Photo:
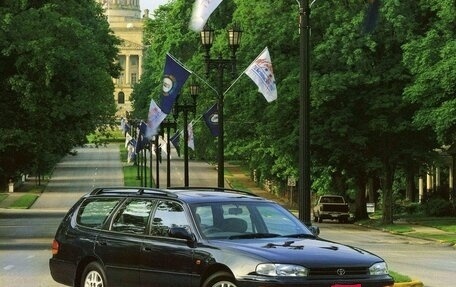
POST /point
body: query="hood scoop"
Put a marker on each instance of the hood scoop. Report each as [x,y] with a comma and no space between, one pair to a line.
[287,244]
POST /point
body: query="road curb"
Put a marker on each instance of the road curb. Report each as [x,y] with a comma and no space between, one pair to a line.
[414,283]
[11,212]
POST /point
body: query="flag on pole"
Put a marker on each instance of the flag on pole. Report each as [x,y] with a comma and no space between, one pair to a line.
[174,78]
[141,140]
[154,119]
[202,10]
[128,138]
[191,139]
[262,74]
[175,141]
[211,120]
[371,17]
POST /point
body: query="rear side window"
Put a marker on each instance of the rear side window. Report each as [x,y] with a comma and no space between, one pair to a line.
[133,217]
[94,212]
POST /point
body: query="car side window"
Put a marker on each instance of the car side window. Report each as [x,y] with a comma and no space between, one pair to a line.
[94,212]
[168,214]
[132,217]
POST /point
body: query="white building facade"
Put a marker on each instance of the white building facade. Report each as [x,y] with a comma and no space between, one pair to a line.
[125,19]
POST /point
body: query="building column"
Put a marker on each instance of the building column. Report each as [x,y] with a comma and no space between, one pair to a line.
[127,69]
[451,180]
[437,179]
[420,189]
[429,182]
[140,59]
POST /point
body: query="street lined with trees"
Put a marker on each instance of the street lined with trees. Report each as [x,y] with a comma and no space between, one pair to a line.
[382,101]
[57,60]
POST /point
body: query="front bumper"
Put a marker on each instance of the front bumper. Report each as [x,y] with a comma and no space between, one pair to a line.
[259,281]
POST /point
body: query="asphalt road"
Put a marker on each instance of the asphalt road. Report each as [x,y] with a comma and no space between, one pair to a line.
[25,236]
[77,175]
[430,262]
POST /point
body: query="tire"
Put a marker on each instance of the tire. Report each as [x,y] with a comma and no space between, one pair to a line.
[93,276]
[220,279]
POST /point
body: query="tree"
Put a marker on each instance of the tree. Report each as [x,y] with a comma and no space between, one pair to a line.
[431,58]
[56,60]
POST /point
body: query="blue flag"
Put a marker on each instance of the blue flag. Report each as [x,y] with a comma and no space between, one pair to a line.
[141,139]
[174,78]
[211,119]
[175,141]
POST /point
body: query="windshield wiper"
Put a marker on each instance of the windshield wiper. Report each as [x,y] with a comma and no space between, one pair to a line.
[254,235]
[300,235]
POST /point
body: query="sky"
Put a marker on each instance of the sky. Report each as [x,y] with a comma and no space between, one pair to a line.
[151,4]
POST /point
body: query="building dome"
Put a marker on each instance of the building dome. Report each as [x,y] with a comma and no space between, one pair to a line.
[121,8]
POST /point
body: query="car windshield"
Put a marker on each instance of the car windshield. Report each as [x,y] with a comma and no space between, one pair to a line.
[246,220]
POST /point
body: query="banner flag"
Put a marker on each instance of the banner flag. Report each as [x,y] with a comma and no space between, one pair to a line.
[211,120]
[128,138]
[262,74]
[202,10]
[174,77]
[141,141]
[154,119]
[175,141]
[191,138]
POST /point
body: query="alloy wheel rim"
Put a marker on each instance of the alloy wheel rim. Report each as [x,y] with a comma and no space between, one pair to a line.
[93,279]
[224,284]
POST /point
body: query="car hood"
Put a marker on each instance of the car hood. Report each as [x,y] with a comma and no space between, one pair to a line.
[307,252]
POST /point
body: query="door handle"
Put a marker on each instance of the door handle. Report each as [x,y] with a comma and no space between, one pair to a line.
[147,249]
[102,242]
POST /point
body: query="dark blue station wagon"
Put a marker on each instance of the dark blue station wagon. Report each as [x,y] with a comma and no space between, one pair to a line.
[200,237]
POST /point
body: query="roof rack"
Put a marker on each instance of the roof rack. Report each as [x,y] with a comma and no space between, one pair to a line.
[205,188]
[131,190]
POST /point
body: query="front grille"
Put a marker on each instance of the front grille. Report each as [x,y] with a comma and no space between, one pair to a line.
[339,271]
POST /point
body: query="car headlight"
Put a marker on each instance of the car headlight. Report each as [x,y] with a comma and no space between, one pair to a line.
[379,268]
[270,269]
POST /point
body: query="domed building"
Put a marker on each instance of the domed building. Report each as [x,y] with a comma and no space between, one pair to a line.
[124,17]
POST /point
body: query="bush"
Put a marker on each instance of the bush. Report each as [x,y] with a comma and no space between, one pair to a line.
[438,206]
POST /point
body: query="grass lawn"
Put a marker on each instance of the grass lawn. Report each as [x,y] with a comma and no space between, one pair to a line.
[399,278]
[130,172]
[25,201]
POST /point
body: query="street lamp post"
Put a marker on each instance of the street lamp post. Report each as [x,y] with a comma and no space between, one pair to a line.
[220,64]
[168,125]
[185,108]
[304,192]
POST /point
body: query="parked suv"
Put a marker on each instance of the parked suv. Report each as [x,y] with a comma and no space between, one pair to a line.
[199,237]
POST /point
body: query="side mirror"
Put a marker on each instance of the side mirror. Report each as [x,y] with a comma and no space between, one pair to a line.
[182,233]
[314,229]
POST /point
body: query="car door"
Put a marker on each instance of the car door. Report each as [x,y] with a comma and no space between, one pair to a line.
[167,261]
[119,247]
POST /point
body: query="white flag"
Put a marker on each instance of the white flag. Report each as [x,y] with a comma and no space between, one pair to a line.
[128,138]
[191,139]
[261,72]
[154,119]
[202,9]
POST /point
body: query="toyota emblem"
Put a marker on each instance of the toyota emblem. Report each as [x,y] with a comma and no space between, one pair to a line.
[340,272]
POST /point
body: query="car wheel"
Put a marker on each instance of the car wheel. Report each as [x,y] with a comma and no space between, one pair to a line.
[93,276]
[220,279]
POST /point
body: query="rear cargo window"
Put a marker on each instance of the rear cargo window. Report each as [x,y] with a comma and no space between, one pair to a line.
[93,213]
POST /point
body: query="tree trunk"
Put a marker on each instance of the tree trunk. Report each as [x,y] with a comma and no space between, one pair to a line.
[360,201]
[410,189]
[388,212]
